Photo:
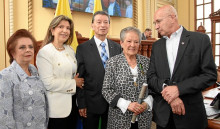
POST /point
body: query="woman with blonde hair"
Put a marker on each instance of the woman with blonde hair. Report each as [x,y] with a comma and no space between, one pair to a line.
[57,67]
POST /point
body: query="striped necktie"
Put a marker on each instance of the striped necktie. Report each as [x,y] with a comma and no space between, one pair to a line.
[104,55]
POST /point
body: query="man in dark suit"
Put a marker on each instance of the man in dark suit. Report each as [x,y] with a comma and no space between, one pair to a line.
[147,34]
[91,103]
[181,66]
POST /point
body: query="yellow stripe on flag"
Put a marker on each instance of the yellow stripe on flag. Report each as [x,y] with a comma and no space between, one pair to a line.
[97,7]
[63,8]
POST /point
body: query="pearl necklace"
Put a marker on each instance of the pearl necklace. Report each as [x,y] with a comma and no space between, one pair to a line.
[59,48]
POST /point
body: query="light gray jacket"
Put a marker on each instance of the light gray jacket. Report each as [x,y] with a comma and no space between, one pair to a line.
[23,103]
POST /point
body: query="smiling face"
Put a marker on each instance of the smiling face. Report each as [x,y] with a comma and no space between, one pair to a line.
[130,44]
[61,32]
[100,25]
[24,51]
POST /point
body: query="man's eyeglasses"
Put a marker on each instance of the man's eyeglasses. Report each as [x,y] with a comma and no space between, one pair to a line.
[158,21]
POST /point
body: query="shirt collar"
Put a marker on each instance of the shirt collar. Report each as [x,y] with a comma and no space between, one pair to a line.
[20,72]
[98,41]
[179,31]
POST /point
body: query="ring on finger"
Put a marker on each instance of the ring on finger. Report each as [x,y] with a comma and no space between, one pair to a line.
[83,84]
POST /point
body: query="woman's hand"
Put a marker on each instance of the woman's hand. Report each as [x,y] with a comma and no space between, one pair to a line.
[83,112]
[79,81]
[145,105]
[137,108]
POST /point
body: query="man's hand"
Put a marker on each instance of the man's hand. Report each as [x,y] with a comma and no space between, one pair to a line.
[170,93]
[177,106]
[83,112]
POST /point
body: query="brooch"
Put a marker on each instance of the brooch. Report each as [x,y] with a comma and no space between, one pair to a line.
[141,68]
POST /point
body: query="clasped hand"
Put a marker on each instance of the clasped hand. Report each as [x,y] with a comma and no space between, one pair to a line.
[177,106]
[137,108]
[171,95]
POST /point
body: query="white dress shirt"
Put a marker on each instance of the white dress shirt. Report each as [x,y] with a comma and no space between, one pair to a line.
[98,44]
[172,45]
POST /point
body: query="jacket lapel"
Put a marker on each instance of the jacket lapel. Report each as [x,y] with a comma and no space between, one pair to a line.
[111,48]
[141,75]
[95,51]
[184,40]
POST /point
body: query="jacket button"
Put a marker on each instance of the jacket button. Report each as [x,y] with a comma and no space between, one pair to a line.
[30,92]
[28,124]
[30,108]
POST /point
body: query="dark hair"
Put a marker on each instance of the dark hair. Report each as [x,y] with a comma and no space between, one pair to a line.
[12,42]
[148,29]
[54,23]
[100,13]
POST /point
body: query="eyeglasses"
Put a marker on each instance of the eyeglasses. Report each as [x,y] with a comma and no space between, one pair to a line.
[158,21]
